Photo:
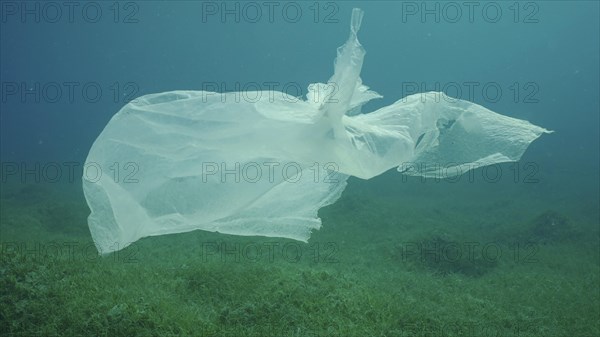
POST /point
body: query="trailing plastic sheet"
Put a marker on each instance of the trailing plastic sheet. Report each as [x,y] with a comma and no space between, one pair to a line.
[190,160]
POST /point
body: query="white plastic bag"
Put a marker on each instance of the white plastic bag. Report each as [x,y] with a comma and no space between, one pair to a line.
[184,160]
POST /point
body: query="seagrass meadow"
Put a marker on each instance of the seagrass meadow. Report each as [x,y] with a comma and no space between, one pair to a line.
[385,263]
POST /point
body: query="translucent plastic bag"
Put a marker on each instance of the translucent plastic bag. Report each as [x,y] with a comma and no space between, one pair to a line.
[190,160]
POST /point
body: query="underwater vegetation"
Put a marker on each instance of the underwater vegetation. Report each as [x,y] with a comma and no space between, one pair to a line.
[440,254]
[401,271]
[551,226]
